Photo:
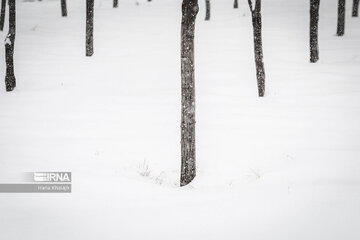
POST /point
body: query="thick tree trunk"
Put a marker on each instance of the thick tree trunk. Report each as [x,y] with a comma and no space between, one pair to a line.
[236,5]
[341,18]
[314,20]
[63,8]
[207,17]
[10,80]
[2,15]
[115,3]
[89,27]
[258,49]
[355,11]
[190,9]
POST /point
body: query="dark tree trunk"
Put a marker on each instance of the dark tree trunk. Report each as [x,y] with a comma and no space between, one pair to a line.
[115,3]
[89,27]
[63,8]
[236,5]
[190,9]
[2,16]
[355,11]
[341,18]
[258,49]
[314,20]
[207,17]
[10,80]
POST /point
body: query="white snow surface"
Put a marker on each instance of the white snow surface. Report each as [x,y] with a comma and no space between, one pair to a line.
[284,167]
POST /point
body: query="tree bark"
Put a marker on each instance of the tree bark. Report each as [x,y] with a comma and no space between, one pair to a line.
[190,9]
[2,15]
[236,5]
[355,11]
[207,17]
[63,8]
[10,80]
[314,21]
[341,18]
[89,27]
[115,3]
[258,48]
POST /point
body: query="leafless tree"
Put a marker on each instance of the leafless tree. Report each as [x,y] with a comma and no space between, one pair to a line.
[10,80]
[341,18]
[314,21]
[236,5]
[89,27]
[258,48]
[2,15]
[63,8]
[190,9]
[355,10]
[207,16]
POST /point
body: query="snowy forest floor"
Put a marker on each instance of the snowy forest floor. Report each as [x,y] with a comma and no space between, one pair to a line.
[284,167]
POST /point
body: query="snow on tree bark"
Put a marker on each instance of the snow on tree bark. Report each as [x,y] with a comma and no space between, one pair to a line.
[115,3]
[63,8]
[10,80]
[314,21]
[190,9]
[258,49]
[355,10]
[236,5]
[89,27]
[341,18]
[207,16]
[2,15]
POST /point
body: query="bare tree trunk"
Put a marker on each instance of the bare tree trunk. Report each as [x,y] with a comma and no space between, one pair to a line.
[341,18]
[236,5]
[10,80]
[115,3]
[207,17]
[258,49]
[190,9]
[314,20]
[2,16]
[355,11]
[63,8]
[89,27]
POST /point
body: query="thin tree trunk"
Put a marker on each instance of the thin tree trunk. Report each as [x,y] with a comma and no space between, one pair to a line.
[10,80]
[115,3]
[258,49]
[63,8]
[2,16]
[341,18]
[190,9]
[207,17]
[314,20]
[89,27]
[355,11]
[236,5]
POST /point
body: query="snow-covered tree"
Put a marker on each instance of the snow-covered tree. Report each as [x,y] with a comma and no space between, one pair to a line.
[63,8]
[2,14]
[314,21]
[190,9]
[89,27]
[355,10]
[341,18]
[207,16]
[258,48]
[10,80]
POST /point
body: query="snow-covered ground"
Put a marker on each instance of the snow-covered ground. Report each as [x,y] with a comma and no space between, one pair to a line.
[285,167]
